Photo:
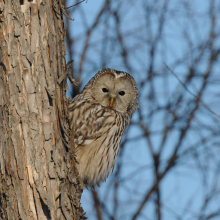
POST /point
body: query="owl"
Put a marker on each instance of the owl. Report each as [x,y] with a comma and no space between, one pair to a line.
[98,117]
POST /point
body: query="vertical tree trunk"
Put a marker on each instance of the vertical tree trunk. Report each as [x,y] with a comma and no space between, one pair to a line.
[36,177]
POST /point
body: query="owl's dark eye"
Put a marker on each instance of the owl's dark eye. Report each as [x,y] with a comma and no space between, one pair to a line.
[104,90]
[121,93]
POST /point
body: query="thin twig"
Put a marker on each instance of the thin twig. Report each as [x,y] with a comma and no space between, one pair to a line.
[97,205]
[206,106]
[74,5]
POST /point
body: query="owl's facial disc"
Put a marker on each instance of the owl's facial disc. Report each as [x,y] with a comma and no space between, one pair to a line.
[116,93]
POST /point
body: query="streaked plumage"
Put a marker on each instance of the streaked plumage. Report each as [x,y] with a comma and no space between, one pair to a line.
[99,116]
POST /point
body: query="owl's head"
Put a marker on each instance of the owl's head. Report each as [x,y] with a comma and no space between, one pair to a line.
[115,89]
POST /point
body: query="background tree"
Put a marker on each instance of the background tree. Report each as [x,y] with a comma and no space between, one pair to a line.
[37,179]
[168,166]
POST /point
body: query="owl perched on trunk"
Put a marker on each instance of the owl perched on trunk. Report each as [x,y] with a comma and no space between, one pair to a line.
[98,118]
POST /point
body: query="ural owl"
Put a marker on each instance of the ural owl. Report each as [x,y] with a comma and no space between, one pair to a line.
[99,116]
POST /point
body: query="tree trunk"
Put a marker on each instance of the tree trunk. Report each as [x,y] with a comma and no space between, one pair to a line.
[37,178]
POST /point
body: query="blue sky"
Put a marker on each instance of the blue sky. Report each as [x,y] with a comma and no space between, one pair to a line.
[184,188]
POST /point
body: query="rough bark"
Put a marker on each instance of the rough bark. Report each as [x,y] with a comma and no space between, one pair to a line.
[37,178]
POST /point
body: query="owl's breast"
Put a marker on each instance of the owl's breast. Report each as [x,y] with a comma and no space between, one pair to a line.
[97,133]
[97,158]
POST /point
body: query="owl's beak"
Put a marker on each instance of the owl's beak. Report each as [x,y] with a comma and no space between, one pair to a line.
[111,102]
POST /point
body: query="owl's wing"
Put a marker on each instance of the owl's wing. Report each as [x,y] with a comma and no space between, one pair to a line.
[90,121]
